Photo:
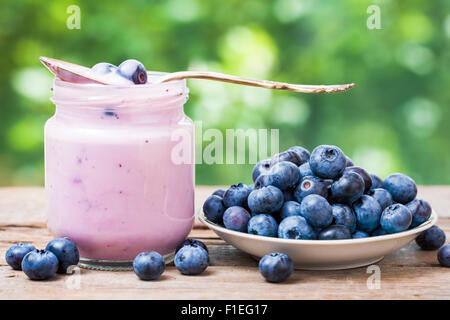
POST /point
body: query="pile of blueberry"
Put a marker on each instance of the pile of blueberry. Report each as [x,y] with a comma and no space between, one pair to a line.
[130,71]
[58,256]
[317,196]
[191,258]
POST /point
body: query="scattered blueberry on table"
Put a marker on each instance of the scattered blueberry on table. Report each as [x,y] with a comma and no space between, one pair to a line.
[444,256]
[40,264]
[15,254]
[66,251]
[276,267]
[431,239]
[149,265]
[191,260]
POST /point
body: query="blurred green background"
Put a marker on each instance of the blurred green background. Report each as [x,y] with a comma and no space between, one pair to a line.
[395,119]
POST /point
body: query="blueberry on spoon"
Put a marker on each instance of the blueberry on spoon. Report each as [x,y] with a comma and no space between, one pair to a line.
[133,70]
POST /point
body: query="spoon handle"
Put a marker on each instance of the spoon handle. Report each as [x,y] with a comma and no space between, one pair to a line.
[255,83]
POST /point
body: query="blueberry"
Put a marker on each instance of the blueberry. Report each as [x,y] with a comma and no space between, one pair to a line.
[402,188]
[327,162]
[296,227]
[289,155]
[396,218]
[261,167]
[103,68]
[290,208]
[15,254]
[444,256]
[213,208]
[364,174]
[376,181]
[358,234]
[349,162]
[335,232]
[420,210]
[192,242]
[133,70]
[310,185]
[302,152]
[383,197]
[236,195]
[109,112]
[431,239]
[149,265]
[39,264]
[219,192]
[236,218]
[368,212]
[317,211]
[66,251]
[264,180]
[288,195]
[378,232]
[344,215]
[348,189]
[276,267]
[263,225]
[265,200]
[305,170]
[191,260]
[285,175]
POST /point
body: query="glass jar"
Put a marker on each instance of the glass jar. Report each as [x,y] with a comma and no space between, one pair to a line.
[119,170]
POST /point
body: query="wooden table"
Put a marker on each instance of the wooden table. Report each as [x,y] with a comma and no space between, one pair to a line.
[408,273]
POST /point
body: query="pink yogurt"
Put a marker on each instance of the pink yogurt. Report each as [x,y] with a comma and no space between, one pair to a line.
[115,182]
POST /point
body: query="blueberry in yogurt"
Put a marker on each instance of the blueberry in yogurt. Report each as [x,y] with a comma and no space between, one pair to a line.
[327,162]
[15,254]
[133,70]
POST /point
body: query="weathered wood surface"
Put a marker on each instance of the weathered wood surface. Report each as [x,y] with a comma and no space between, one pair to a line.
[408,273]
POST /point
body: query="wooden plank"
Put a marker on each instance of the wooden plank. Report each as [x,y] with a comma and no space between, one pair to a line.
[408,273]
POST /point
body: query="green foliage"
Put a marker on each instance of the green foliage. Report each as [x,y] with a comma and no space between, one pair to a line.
[395,119]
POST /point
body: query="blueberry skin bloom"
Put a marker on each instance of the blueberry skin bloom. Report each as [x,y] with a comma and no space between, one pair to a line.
[290,208]
[317,211]
[192,242]
[420,210]
[236,195]
[263,225]
[310,185]
[289,155]
[261,167]
[327,162]
[15,254]
[296,227]
[305,170]
[402,188]
[343,215]
[191,260]
[39,264]
[376,181]
[213,208]
[236,218]
[444,256]
[285,175]
[396,218]
[348,189]
[383,197]
[335,232]
[302,152]
[431,239]
[66,251]
[219,192]
[276,267]
[133,70]
[368,212]
[149,265]
[358,234]
[265,200]
[364,174]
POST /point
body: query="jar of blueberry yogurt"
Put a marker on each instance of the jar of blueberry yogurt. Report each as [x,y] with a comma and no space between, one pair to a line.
[119,170]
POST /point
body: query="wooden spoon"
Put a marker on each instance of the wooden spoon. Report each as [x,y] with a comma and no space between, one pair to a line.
[78,74]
